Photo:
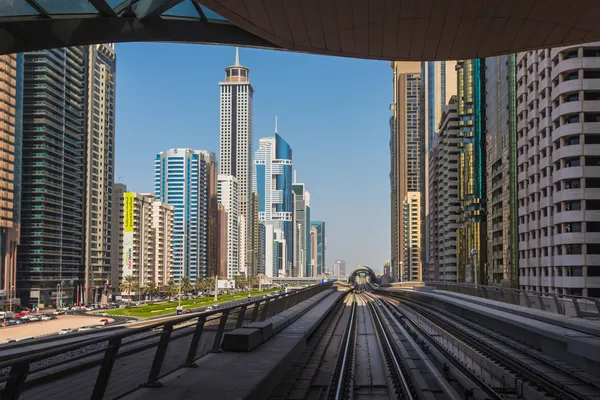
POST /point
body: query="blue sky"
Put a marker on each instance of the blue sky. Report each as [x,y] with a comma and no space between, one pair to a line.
[332,111]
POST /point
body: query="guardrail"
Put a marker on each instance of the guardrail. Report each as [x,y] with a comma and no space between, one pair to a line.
[568,305]
[137,356]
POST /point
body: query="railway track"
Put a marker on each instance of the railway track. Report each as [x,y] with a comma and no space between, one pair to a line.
[500,367]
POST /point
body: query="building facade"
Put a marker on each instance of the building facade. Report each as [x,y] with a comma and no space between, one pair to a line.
[273,183]
[11,137]
[116,236]
[321,249]
[471,242]
[438,85]
[50,258]
[236,103]
[302,266]
[558,150]
[405,150]
[181,178]
[228,197]
[222,254]
[99,168]
[501,171]
[146,226]
[410,264]
[253,253]
[339,268]
[443,197]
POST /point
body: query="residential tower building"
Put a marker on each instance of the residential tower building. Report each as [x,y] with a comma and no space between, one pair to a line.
[470,241]
[236,102]
[320,260]
[99,144]
[50,257]
[228,197]
[405,150]
[273,183]
[302,266]
[11,138]
[443,197]
[181,178]
[501,171]
[558,150]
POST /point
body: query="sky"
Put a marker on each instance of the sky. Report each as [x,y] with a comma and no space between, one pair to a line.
[334,113]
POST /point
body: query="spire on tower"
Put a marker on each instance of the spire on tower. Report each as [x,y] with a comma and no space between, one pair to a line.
[276,124]
[237,56]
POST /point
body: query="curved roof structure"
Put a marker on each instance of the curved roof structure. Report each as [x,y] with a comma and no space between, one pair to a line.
[359,269]
[401,30]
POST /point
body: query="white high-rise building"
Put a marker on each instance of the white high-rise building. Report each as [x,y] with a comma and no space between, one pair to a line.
[236,141]
[227,189]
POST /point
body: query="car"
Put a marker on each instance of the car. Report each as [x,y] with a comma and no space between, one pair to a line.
[59,312]
[188,311]
[47,317]
[103,322]
[85,329]
[65,331]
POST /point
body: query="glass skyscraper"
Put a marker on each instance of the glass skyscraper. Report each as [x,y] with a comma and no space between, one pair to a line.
[180,179]
[319,226]
[273,183]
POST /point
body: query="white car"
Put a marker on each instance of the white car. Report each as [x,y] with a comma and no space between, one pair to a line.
[85,329]
[65,331]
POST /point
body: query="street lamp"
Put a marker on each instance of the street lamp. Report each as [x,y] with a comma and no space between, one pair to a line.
[401,271]
[474,254]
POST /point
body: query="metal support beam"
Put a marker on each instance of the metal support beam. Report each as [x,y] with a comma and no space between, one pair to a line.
[103,8]
[153,8]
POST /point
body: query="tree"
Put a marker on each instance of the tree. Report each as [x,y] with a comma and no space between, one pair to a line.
[151,289]
[170,288]
[240,281]
[129,285]
[186,285]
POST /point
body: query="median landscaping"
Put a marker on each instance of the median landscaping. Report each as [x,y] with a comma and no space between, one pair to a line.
[162,308]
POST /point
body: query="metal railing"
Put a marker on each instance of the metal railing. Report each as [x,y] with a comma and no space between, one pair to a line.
[123,360]
[568,305]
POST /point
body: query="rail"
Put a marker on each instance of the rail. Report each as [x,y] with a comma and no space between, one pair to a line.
[563,304]
[167,345]
[344,366]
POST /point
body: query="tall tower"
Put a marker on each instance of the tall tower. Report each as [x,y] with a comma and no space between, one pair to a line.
[405,174]
[273,183]
[236,141]
[99,168]
[438,85]
[52,221]
[11,104]
[181,178]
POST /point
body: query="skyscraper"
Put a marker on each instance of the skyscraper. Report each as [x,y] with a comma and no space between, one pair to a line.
[501,171]
[181,179]
[471,243]
[11,136]
[302,260]
[273,183]
[558,150]
[228,198]
[438,80]
[236,141]
[405,174]
[443,197]
[319,267]
[254,238]
[99,167]
[54,126]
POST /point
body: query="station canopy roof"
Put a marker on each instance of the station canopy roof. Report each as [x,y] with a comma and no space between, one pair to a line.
[402,30]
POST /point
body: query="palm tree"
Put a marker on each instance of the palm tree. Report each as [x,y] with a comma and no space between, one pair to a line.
[129,285]
[170,288]
[151,289]
[186,285]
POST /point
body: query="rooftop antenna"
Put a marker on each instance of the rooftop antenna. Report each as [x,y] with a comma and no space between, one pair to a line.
[237,56]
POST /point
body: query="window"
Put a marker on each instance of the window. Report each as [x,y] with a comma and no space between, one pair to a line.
[592,226]
[593,248]
[594,74]
[591,117]
[592,204]
[593,270]
[591,52]
[572,140]
[591,95]
[573,227]
[571,97]
[592,183]
[572,184]
[572,162]
[592,139]
[571,54]
[572,119]
[592,161]
[573,249]
[573,205]
[571,76]
[573,271]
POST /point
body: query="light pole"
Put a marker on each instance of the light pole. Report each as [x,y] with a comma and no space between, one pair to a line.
[474,254]
[401,271]
[180,285]
[216,286]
